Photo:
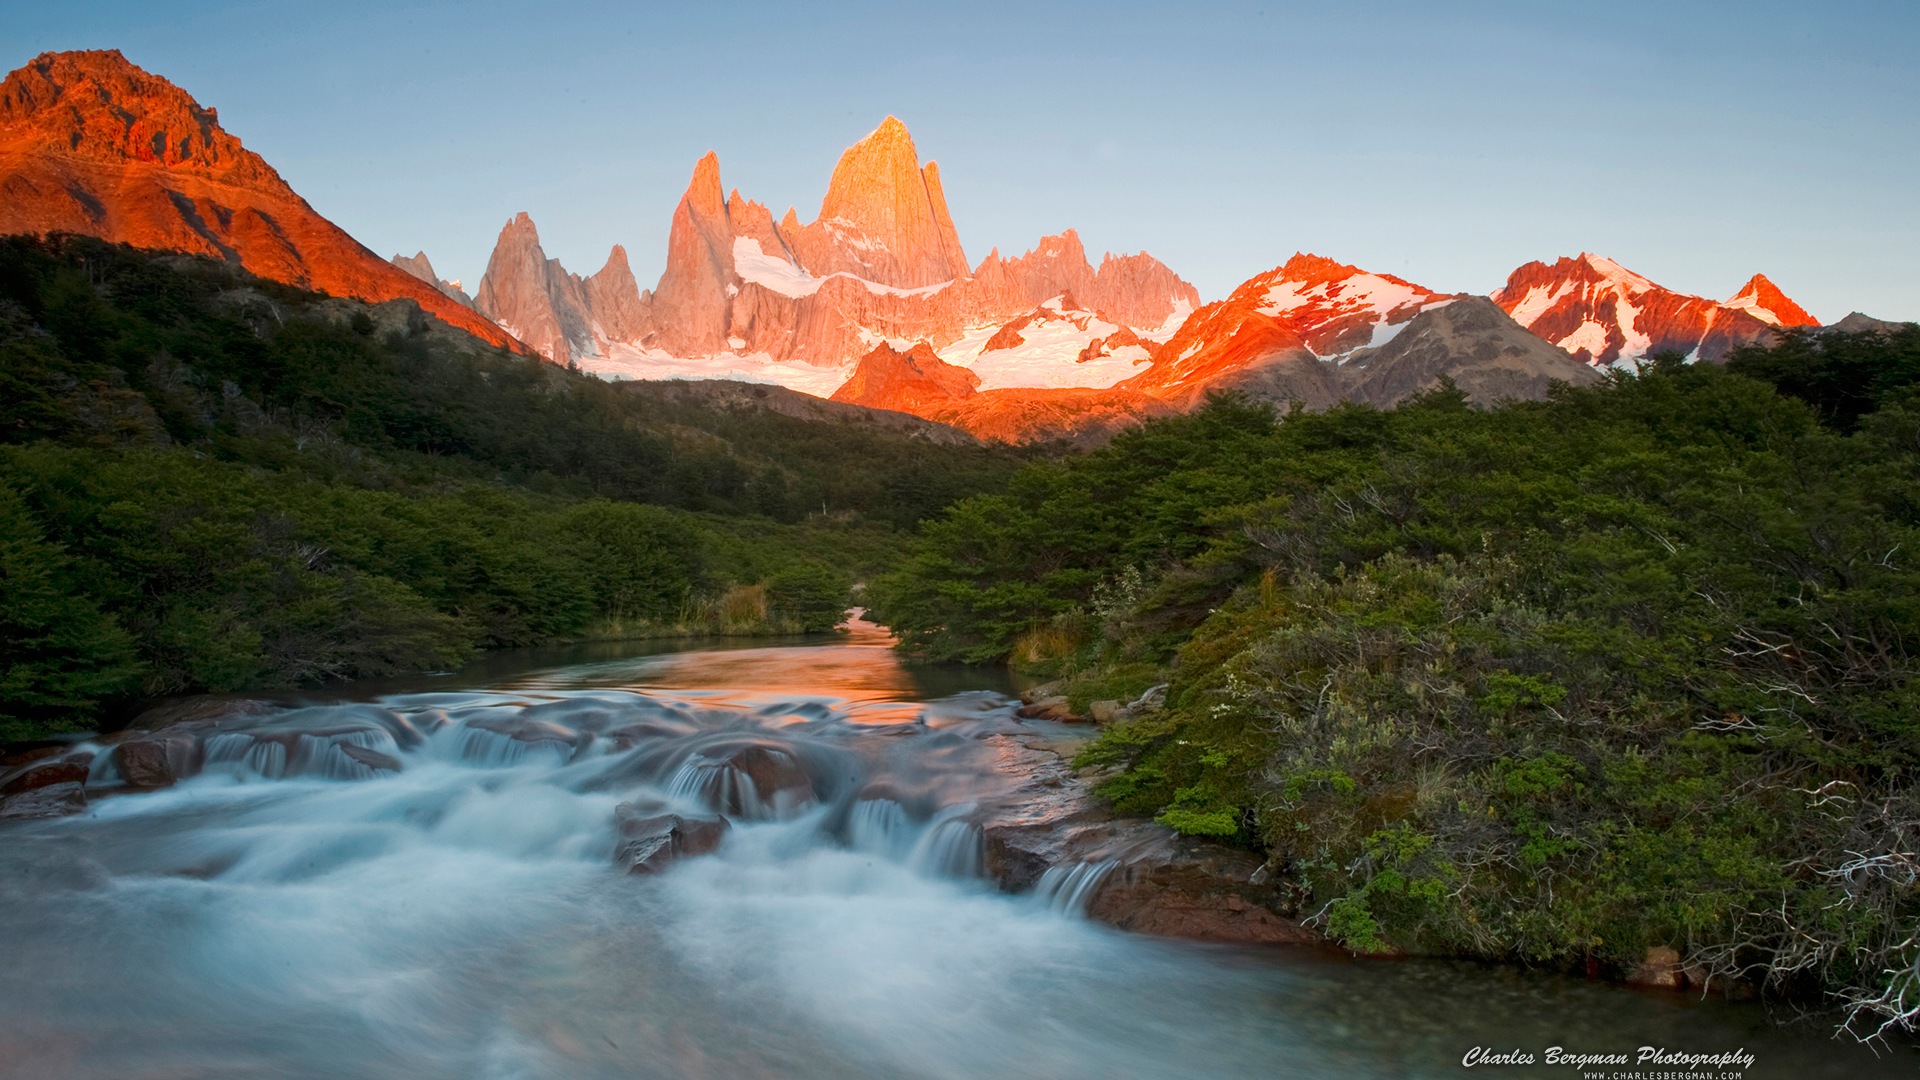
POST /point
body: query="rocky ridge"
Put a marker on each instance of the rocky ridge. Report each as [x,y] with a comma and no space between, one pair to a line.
[91,144]
[881,261]
[1317,332]
[421,267]
[1601,313]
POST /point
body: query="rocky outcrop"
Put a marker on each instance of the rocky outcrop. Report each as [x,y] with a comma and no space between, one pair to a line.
[1140,291]
[1136,291]
[44,783]
[617,310]
[1133,874]
[650,842]
[50,801]
[690,303]
[1601,313]
[71,769]
[158,760]
[884,217]
[913,381]
[534,297]
[1857,323]
[419,266]
[91,144]
[919,382]
[765,781]
[1267,337]
[1471,342]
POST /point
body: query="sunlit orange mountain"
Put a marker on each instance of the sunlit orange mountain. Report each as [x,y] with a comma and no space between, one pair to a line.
[1319,332]
[881,261]
[91,144]
[1603,313]
[917,381]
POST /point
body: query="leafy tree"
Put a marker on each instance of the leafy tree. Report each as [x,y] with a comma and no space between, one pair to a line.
[60,656]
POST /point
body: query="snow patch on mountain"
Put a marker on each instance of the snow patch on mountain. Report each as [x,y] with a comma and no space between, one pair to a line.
[1617,274]
[1750,303]
[1536,301]
[772,272]
[1346,296]
[1054,347]
[1175,319]
[632,362]
[1590,336]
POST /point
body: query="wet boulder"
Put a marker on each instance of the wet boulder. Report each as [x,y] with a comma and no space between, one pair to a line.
[39,774]
[372,759]
[1056,707]
[649,843]
[158,761]
[1157,883]
[1188,888]
[759,781]
[628,736]
[522,736]
[768,779]
[743,778]
[50,801]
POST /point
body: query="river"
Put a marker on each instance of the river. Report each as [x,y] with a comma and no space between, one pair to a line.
[297,913]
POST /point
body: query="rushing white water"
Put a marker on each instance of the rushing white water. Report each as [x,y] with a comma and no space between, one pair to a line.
[1068,889]
[294,911]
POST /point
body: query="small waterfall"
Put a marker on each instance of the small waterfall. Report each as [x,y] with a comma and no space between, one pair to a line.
[950,847]
[327,757]
[1068,890]
[705,781]
[722,786]
[279,755]
[493,750]
[261,757]
[102,771]
[881,827]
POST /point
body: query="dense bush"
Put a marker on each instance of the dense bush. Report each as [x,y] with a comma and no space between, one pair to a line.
[1554,682]
[230,578]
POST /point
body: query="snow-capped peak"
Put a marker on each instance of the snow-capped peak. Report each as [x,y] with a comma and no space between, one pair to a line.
[1617,274]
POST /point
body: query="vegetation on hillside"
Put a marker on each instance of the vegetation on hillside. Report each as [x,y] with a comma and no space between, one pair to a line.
[1554,682]
[212,482]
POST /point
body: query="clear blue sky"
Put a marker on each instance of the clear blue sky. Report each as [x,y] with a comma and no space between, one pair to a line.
[1694,142]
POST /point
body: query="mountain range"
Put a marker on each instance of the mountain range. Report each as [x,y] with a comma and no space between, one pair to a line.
[873,302]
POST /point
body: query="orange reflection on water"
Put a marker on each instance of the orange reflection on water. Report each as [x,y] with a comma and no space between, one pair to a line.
[857,670]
